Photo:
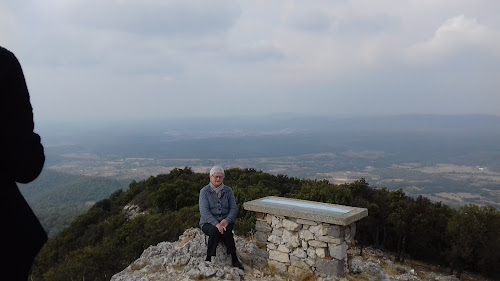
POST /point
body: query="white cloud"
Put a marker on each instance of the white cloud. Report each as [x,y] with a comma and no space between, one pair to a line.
[453,36]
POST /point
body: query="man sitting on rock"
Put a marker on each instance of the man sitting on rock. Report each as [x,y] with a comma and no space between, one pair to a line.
[218,213]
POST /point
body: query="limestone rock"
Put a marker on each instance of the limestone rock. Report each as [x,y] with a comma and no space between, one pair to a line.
[185,258]
[317,244]
[331,267]
[131,211]
[299,253]
[321,252]
[338,251]
[279,256]
[336,231]
[319,230]
[276,222]
[291,225]
[330,239]
[299,262]
[277,232]
[306,235]
[274,239]
[262,226]
[284,249]
[261,236]
[291,237]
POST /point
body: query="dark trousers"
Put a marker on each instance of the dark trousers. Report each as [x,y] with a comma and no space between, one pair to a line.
[214,237]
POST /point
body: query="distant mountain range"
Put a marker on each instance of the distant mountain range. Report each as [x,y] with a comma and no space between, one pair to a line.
[57,132]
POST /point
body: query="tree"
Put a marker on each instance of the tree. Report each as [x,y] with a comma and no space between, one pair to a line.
[399,220]
[470,234]
[427,229]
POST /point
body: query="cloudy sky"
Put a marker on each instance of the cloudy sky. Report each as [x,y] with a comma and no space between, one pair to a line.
[123,59]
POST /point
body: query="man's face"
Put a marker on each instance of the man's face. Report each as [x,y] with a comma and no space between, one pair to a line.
[216,179]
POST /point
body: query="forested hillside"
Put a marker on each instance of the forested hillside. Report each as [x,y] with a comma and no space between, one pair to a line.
[58,198]
[104,240]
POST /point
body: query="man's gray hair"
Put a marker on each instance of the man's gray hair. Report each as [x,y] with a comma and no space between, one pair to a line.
[215,170]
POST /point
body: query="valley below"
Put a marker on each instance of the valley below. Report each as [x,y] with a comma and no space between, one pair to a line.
[451,184]
[452,159]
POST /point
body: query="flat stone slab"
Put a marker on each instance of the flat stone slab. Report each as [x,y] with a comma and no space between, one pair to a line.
[308,210]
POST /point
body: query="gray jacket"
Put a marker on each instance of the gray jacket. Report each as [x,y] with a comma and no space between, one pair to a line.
[213,209]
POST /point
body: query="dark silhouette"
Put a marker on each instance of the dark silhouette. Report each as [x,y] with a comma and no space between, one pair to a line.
[22,158]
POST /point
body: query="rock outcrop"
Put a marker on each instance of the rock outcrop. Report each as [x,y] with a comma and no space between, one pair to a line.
[185,260]
[132,211]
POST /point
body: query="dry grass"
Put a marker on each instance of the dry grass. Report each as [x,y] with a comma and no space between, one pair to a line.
[422,267]
[272,270]
[391,271]
[137,266]
[307,276]
[357,278]
[201,277]
[251,236]
[178,267]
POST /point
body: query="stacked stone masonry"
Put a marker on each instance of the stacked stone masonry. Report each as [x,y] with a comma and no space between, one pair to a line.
[297,246]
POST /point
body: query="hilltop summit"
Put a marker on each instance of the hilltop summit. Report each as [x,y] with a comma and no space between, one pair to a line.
[184,260]
[128,231]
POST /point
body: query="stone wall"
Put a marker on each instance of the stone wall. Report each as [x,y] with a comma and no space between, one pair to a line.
[297,246]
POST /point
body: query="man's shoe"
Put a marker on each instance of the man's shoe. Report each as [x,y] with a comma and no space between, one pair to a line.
[238,264]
